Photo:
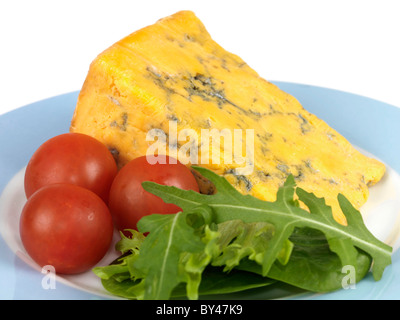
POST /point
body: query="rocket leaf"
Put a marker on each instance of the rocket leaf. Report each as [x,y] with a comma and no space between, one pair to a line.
[285,215]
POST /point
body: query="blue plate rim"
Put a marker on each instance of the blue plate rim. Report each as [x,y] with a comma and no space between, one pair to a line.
[65,106]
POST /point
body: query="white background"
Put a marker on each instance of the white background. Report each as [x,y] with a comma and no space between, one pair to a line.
[352,45]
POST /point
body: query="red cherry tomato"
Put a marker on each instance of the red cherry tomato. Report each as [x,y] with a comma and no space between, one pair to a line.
[128,200]
[67,227]
[71,158]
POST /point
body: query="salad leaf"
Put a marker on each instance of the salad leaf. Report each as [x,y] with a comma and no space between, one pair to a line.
[216,282]
[239,240]
[123,277]
[312,265]
[285,215]
[227,242]
[159,260]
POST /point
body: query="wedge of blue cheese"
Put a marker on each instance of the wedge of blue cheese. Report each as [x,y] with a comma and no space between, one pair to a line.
[173,73]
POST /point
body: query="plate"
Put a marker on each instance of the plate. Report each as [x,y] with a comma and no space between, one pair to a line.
[368,124]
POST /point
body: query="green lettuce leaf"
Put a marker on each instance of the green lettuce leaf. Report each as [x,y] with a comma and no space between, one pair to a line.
[159,261]
[312,265]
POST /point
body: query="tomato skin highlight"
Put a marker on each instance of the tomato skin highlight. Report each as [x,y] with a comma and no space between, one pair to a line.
[67,227]
[73,158]
[129,202]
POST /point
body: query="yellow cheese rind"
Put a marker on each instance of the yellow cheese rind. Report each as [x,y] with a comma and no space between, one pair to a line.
[174,71]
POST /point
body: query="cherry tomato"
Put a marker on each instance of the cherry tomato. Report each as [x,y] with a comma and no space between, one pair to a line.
[67,227]
[128,200]
[73,158]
